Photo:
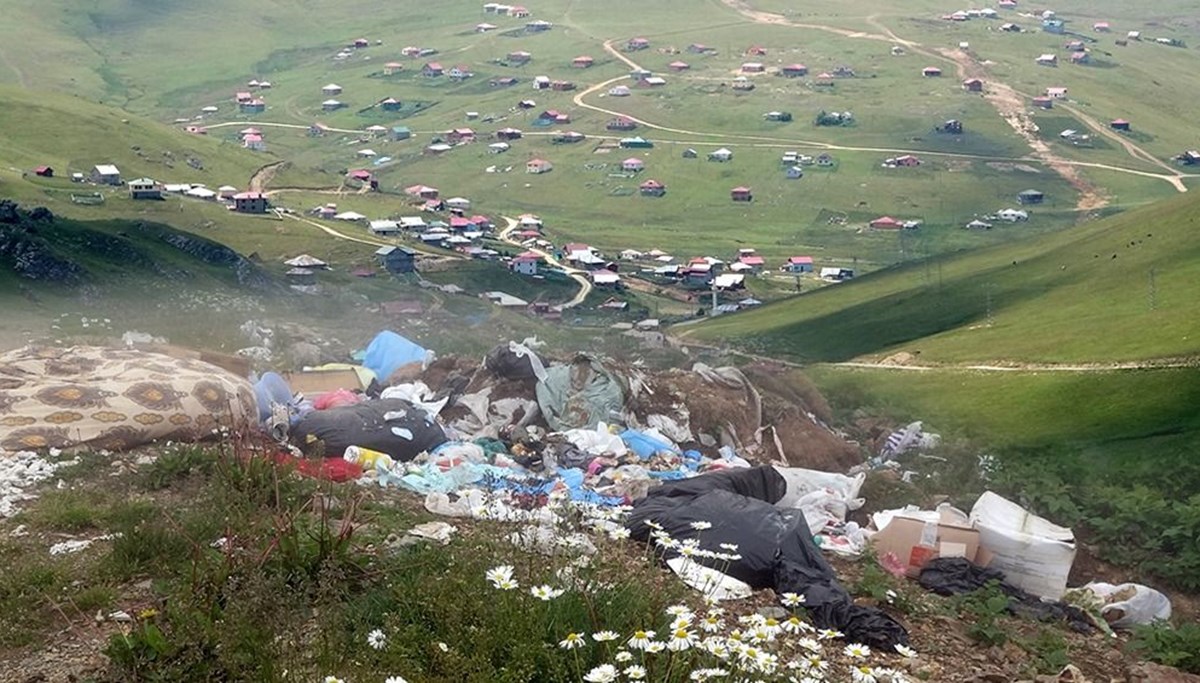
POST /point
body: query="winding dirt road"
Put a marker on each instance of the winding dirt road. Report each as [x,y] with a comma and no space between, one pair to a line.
[585,285]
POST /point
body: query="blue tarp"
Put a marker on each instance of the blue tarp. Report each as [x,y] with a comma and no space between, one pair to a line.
[388,352]
[645,445]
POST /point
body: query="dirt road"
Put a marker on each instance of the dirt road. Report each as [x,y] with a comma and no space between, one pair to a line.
[585,285]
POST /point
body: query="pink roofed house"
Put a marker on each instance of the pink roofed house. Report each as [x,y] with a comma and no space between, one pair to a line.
[678,65]
[793,70]
[652,188]
[582,62]
[422,191]
[637,44]
[886,223]
[799,264]
[931,72]
[741,194]
[633,164]
[432,70]
[359,174]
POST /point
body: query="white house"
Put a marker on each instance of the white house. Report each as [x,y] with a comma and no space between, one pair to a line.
[106,174]
[331,90]
[721,155]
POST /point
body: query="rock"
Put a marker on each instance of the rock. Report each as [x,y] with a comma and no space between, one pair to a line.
[305,354]
[774,612]
[1146,672]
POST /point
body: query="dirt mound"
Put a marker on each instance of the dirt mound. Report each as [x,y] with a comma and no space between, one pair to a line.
[796,417]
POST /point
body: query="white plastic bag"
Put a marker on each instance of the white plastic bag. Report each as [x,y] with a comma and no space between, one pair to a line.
[712,583]
[598,441]
[801,482]
[1130,604]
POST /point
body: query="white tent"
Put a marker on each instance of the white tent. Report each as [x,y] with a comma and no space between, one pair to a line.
[350,216]
[201,193]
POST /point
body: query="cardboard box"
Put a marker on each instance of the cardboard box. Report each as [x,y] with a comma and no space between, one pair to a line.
[314,382]
[916,541]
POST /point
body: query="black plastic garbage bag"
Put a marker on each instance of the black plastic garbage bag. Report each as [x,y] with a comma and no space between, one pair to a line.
[512,363]
[957,576]
[393,426]
[776,548]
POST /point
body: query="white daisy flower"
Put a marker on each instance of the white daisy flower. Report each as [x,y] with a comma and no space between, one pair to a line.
[791,599]
[640,640]
[623,656]
[376,639]
[906,651]
[572,641]
[605,673]
[395,679]
[863,674]
[857,651]
[656,647]
[681,639]
[635,672]
[545,593]
[701,526]
[605,636]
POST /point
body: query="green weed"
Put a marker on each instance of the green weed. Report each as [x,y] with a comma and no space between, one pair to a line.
[985,608]
[1173,646]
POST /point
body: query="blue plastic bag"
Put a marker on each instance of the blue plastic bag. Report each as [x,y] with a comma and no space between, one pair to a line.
[388,352]
[645,446]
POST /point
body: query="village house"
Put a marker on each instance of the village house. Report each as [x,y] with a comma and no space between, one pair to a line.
[633,165]
[1042,102]
[538,166]
[508,134]
[905,161]
[700,49]
[250,202]
[931,71]
[652,82]
[1047,60]
[1030,197]
[620,91]
[621,123]
[583,255]
[1012,215]
[753,68]
[1055,26]
[793,71]
[825,159]
[44,172]
[780,116]
[1119,124]
[460,72]
[331,105]
[1081,58]
[105,174]
[432,70]
[562,86]
[538,26]
[421,192]
[582,62]
[1188,158]
[678,66]
[741,194]
[1056,93]
[503,82]
[484,27]
[721,155]
[569,137]
[952,126]
[635,142]
[750,260]
[886,223]
[526,263]
[799,264]
[824,80]
[519,57]
[331,90]
[397,260]
[1101,27]
[459,136]
[518,12]
[973,85]
[254,106]
[836,274]
[384,228]
[742,83]
[254,142]
[362,175]
[605,279]
[636,44]
[392,68]
[652,188]
[145,188]
[793,172]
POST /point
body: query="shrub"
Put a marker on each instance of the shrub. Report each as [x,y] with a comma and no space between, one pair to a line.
[1164,644]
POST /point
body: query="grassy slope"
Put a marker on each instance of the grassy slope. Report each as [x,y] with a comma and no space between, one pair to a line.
[155,66]
[1081,295]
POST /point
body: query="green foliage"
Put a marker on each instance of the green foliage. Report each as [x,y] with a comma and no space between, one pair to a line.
[884,589]
[985,608]
[1172,646]
[1048,651]
[176,464]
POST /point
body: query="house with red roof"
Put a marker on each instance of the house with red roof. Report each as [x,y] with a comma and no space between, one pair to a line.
[392,68]
[254,142]
[906,160]
[793,70]
[636,44]
[886,223]
[507,134]
[1042,102]
[360,174]
[741,193]
[973,85]
[582,62]
[44,171]
[254,106]
[421,191]
[748,258]
[1119,124]
[243,96]
[753,68]
[931,72]
[621,123]
[799,264]
[526,263]
[633,165]
[460,135]
[432,70]
[678,65]
[652,188]
[250,202]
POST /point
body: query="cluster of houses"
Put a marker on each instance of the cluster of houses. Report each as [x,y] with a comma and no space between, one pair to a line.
[141,189]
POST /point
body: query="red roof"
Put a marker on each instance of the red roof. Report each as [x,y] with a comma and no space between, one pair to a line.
[652,185]
[799,260]
[250,195]
[360,174]
[740,189]
[583,58]
[528,256]
[575,246]
[480,220]
[752,260]
[795,67]
[885,222]
[678,65]
[527,233]
[433,66]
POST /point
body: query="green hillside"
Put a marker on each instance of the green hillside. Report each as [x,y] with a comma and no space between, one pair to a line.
[1119,289]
